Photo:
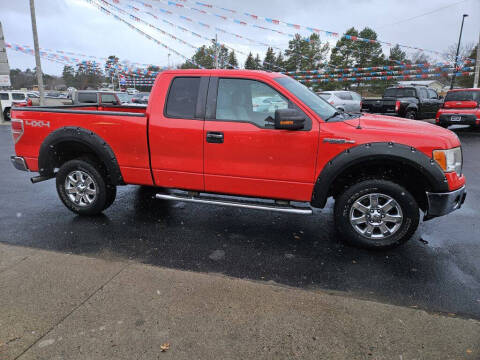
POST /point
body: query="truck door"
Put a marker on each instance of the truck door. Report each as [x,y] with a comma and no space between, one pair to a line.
[244,154]
[435,102]
[176,116]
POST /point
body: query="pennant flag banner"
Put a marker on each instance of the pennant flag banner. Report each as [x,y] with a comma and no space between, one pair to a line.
[399,77]
[383,73]
[288,24]
[158,42]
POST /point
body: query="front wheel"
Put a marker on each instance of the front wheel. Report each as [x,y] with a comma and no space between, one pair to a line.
[82,187]
[376,214]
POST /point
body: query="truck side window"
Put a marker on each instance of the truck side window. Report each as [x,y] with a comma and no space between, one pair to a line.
[3,96]
[108,99]
[432,94]
[423,93]
[345,96]
[87,97]
[182,98]
[248,101]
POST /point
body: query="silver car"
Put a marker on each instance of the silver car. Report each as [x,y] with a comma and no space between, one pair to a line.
[348,101]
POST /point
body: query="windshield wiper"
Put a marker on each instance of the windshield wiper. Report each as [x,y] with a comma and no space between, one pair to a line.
[335,114]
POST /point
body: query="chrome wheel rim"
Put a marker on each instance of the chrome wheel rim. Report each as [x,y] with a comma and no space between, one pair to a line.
[80,188]
[376,216]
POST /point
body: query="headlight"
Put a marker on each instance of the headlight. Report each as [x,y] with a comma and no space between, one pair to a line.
[449,160]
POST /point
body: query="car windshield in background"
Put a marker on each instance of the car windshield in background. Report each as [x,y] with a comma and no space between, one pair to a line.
[463,96]
[308,97]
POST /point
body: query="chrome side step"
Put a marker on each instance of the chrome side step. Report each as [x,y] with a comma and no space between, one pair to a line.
[246,205]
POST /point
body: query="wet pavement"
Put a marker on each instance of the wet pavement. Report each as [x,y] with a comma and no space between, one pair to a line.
[438,270]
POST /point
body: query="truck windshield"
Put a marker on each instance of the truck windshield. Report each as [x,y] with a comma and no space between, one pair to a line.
[308,97]
[463,96]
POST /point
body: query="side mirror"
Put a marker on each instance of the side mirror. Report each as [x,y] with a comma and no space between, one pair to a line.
[289,119]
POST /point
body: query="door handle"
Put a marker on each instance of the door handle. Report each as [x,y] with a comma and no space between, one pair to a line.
[215,137]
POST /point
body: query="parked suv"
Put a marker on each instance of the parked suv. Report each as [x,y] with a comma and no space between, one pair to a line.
[461,106]
[9,97]
[348,101]
[411,102]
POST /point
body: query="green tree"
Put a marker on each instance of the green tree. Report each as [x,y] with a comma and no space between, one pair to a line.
[250,62]
[343,54]
[269,60]
[368,53]
[68,76]
[280,61]
[258,62]
[232,60]
[222,57]
[396,53]
[110,65]
[297,47]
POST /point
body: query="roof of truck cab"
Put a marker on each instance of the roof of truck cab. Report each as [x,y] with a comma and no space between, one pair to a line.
[469,89]
[223,72]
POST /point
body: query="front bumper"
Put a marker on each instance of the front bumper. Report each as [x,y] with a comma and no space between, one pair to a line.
[444,203]
[19,163]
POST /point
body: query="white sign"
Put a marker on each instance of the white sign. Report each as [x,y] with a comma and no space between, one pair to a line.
[5,80]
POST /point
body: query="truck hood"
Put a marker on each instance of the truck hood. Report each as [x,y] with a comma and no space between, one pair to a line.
[417,131]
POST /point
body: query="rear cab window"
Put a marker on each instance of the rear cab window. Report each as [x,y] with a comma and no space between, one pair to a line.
[87,98]
[4,96]
[463,96]
[182,98]
[18,96]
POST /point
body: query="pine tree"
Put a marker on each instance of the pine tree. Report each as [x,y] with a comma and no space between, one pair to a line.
[258,62]
[296,49]
[279,61]
[232,60]
[397,54]
[222,57]
[269,61]
[368,53]
[250,62]
[343,53]
[68,76]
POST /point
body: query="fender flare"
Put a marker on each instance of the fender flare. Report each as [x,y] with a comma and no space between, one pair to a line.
[48,153]
[396,153]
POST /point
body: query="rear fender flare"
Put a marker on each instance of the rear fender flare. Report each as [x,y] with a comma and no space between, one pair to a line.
[362,154]
[48,154]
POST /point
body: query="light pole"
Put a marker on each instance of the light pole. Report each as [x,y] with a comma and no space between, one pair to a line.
[458,50]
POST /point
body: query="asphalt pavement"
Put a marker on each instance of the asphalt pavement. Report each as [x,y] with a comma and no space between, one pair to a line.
[438,270]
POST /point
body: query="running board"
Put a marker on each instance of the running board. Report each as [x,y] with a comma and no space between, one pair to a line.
[245,205]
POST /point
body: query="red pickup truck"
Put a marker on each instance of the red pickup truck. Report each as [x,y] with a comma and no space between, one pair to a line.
[249,139]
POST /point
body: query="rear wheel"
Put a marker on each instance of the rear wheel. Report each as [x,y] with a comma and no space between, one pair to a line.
[82,187]
[376,214]
[6,114]
[411,114]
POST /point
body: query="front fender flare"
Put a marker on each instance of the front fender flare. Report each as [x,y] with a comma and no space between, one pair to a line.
[379,151]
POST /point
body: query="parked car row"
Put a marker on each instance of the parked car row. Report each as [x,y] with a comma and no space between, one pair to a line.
[460,106]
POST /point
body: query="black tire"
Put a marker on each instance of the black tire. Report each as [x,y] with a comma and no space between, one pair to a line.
[102,195]
[111,195]
[411,114]
[403,198]
[6,114]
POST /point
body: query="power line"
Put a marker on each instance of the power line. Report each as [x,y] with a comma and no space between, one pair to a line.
[424,14]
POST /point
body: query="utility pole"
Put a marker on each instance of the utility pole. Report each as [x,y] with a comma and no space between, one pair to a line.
[477,65]
[37,54]
[169,61]
[458,50]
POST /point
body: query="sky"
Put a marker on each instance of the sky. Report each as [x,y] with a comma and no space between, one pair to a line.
[77,26]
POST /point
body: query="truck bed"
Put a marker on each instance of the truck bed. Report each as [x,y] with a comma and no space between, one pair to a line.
[123,127]
[379,105]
